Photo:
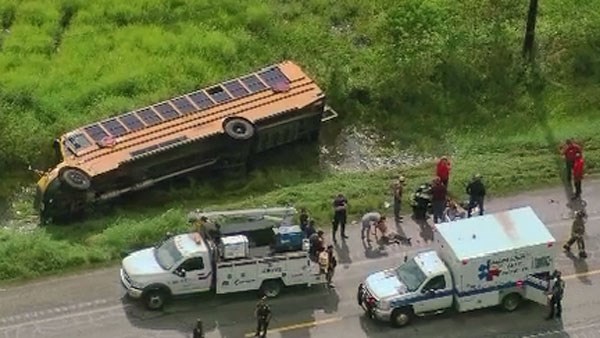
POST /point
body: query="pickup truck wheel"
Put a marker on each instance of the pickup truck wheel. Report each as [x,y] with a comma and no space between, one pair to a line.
[401,317]
[155,299]
[511,302]
[270,288]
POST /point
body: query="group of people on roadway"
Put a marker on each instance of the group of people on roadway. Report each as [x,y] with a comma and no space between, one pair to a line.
[443,209]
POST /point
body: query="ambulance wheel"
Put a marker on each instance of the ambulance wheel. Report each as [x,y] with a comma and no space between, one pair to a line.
[511,302]
[401,317]
[270,288]
[155,299]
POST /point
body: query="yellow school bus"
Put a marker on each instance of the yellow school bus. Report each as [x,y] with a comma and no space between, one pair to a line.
[220,126]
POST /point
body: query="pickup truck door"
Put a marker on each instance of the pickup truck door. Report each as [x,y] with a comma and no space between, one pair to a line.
[435,294]
[194,275]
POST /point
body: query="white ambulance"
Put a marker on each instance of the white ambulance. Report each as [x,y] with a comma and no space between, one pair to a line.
[194,262]
[496,259]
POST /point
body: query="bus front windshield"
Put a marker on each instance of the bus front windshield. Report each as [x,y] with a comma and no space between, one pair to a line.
[167,254]
[411,275]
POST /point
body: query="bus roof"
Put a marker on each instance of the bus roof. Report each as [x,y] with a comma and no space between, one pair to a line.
[265,93]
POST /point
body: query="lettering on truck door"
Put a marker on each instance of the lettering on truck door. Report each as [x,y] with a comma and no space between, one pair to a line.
[194,276]
[435,294]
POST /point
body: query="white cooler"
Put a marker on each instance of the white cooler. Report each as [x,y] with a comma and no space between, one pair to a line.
[234,247]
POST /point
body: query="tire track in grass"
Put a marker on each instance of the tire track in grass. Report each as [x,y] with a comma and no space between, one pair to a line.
[68,10]
[7,18]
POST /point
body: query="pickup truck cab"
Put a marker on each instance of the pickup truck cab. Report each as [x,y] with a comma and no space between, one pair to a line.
[196,262]
[498,259]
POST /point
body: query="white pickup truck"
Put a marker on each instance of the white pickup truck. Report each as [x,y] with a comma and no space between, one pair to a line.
[194,262]
[496,259]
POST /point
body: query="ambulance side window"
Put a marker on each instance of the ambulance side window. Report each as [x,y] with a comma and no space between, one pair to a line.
[436,283]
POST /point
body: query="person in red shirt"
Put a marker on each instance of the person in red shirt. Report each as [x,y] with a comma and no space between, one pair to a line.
[443,170]
[578,174]
[570,149]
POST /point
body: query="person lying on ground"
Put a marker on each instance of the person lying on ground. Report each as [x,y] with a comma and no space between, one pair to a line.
[389,236]
[454,212]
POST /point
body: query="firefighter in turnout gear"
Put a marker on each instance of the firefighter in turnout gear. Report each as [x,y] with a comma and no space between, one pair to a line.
[577,232]
[263,317]
[556,290]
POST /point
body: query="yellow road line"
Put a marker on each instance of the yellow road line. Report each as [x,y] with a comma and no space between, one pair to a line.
[303,325]
[582,274]
[314,323]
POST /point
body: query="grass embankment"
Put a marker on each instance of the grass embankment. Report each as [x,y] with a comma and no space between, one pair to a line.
[437,76]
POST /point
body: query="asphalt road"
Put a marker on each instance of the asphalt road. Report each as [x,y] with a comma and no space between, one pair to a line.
[91,304]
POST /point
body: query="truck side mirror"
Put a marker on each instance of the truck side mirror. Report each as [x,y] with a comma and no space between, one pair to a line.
[180,272]
[427,291]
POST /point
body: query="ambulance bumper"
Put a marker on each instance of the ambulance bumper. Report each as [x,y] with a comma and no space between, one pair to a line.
[370,307]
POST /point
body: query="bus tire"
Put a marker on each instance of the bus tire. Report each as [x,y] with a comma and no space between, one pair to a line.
[75,178]
[239,128]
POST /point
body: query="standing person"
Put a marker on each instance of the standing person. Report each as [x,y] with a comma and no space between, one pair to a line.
[578,166]
[317,243]
[303,219]
[331,264]
[340,213]
[397,191]
[310,229]
[198,331]
[577,233]
[443,170]
[476,192]
[367,221]
[263,317]
[556,291]
[569,150]
[439,194]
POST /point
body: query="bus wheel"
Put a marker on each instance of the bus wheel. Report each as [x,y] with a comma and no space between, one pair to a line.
[238,128]
[75,178]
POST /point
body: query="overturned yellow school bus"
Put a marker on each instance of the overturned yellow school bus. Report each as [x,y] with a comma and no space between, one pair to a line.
[221,126]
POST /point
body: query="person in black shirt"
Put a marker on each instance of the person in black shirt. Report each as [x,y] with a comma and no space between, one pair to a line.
[198,331]
[556,291]
[263,317]
[303,219]
[340,210]
[476,192]
[310,229]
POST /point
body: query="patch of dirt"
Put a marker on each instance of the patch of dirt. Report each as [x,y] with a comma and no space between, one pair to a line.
[364,150]
[17,214]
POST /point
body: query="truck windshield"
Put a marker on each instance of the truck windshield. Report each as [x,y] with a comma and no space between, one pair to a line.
[411,275]
[167,254]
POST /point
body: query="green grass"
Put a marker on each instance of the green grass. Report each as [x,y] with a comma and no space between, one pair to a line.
[436,77]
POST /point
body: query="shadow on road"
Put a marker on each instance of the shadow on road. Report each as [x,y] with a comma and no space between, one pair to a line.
[343,253]
[232,315]
[446,324]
